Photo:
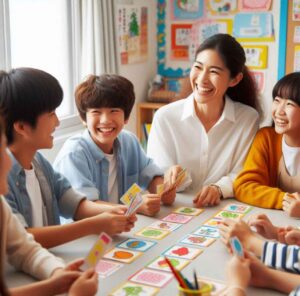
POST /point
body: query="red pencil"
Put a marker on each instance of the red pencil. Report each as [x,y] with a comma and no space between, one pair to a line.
[176,274]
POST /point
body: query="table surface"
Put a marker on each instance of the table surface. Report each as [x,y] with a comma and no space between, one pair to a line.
[211,263]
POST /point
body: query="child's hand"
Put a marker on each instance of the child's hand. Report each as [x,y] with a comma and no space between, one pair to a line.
[85,285]
[238,272]
[207,196]
[110,223]
[291,204]
[292,236]
[116,209]
[168,196]
[264,226]
[150,205]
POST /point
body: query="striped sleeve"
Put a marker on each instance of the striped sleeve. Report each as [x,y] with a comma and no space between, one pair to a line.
[281,256]
[295,292]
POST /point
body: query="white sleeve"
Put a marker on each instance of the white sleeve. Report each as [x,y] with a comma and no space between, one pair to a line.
[23,251]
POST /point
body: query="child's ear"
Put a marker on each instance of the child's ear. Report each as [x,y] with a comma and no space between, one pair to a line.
[126,121]
[20,127]
[236,80]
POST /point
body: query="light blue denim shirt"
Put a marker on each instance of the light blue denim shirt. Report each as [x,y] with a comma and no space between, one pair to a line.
[58,197]
[85,165]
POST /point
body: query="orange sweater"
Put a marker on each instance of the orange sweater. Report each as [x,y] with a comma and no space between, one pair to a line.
[257,182]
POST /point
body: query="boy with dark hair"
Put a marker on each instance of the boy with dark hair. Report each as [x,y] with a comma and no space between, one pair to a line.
[37,193]
[106,160]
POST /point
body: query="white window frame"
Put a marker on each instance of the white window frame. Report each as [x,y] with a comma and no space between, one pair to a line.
[71,123]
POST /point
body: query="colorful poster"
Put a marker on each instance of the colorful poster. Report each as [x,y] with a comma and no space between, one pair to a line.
[132,33]
[254,5]
[256,56]
[296,10]
[297,59]
[186,9]
[254,26]
[204,29]
[297,34]
[180,41]
[217,7]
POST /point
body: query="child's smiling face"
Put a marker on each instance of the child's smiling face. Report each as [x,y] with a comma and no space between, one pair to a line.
[104,125]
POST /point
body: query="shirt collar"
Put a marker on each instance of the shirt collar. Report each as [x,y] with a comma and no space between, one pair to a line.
[189,109]
[16,167]
[95,150]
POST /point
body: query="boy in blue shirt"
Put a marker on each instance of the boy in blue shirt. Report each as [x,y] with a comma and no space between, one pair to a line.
[37,193]
[106,160]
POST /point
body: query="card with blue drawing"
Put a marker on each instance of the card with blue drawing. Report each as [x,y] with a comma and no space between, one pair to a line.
[130,288]
[188,211]
[185,252]
[160,263]
[197,240]
[236,247]
[170,226]
[243,209]
[207,231]
[230,215]
[130,194]
[97,251]
[137,244]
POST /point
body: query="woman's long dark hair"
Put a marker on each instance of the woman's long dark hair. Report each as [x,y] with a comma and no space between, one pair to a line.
[233,56]
[3,290]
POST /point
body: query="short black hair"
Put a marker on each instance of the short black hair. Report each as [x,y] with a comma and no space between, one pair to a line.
[26,93]
[105,91]
[288,87]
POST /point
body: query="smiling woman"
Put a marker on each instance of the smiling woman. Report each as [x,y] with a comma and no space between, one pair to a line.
[209,132]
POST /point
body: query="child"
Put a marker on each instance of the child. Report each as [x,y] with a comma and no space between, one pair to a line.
[106,160]
[37,194]
[209,133]
[26,254]
[272,167]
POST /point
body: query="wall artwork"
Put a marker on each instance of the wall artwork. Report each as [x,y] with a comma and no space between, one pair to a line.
[186,9]
[132,33]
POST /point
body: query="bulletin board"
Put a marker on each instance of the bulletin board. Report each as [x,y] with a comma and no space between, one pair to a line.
[292,54]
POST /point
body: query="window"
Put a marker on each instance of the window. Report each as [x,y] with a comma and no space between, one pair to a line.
[40,34]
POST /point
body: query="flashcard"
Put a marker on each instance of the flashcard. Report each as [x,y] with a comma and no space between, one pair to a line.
[237,208]
[230,215]
[218,287]
[130,194]
[130,288]
[134,204]
[165,225]
[183,252]
[136,244]
[213,222]
[177,218]
[125,256]
[105,268]
[189,211]
[151,277]
[153,233]
[207,231]
[97,251]
[160,263]
[236,247]
[197,240]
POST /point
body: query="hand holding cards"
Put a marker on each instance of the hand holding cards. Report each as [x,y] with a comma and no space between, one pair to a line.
[237,247]
[132,198]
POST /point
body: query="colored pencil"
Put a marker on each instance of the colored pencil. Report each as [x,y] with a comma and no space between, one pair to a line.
[196,281]
[178,277]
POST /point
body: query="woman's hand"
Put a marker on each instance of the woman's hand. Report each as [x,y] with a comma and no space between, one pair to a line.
[208,196]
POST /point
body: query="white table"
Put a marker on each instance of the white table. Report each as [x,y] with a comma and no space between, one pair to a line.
[211,263]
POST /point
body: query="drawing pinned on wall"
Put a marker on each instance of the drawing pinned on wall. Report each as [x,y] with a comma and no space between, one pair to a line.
[224,7]
[296,34]
[206,28]
[256,56]
[186,9]
[132,33]
[296,10]
[297,59]
[259,78]
[255,5]
[253,27]
[180,40]
[162,69]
